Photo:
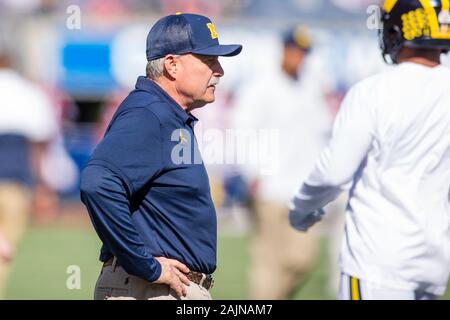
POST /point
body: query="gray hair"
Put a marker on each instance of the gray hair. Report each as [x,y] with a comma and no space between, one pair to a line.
[155,68]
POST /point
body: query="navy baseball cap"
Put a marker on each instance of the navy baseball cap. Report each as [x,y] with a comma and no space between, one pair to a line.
[298,36]
[186,33]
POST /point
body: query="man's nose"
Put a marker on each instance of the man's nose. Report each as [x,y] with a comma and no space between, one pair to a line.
[218,70]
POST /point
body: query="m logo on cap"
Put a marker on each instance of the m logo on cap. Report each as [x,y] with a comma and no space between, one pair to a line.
[213,31]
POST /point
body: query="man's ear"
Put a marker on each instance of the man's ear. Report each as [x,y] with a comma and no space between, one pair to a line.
[170,65]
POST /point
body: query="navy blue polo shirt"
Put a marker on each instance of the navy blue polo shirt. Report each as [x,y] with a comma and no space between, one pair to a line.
[147,190]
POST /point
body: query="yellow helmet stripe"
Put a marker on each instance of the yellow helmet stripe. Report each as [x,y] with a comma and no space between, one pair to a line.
[388,5]
[436,31]
[444,3]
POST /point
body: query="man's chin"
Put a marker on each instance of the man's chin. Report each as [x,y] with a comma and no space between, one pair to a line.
[209,98]
[199,104]
[202,102]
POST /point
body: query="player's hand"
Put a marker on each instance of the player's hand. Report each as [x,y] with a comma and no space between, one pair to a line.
[302,222]
[173,273]
[45,203]
[6,250]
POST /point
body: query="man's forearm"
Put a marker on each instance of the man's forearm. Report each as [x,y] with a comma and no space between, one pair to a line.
[103,193]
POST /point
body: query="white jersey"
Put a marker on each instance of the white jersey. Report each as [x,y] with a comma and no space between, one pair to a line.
[25,109]
[391,146]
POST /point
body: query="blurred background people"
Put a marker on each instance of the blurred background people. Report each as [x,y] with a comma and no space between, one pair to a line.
[27,124]
[55,161]
[290,103]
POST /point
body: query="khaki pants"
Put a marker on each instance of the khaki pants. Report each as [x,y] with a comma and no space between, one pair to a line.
[280,255]
[15,203]
[114,283]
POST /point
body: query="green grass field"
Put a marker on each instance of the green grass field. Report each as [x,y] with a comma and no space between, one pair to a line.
[40,269]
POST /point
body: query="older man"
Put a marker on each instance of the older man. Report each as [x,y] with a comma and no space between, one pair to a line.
[147,196]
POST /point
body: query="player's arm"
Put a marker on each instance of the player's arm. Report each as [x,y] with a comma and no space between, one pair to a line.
[249,114]
[352,137]
[41,130]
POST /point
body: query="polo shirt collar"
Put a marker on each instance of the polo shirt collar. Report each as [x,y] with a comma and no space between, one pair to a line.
[151,86]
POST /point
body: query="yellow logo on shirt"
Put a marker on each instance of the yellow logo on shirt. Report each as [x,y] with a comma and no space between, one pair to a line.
[213,31]
[182,137]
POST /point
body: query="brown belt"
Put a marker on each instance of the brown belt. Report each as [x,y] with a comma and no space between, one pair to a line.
[204,280]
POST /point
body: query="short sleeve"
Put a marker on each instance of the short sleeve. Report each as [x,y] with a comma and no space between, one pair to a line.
[41,123]
[132,147]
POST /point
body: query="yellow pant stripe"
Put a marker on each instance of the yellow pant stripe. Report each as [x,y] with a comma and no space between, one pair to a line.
[355,292]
